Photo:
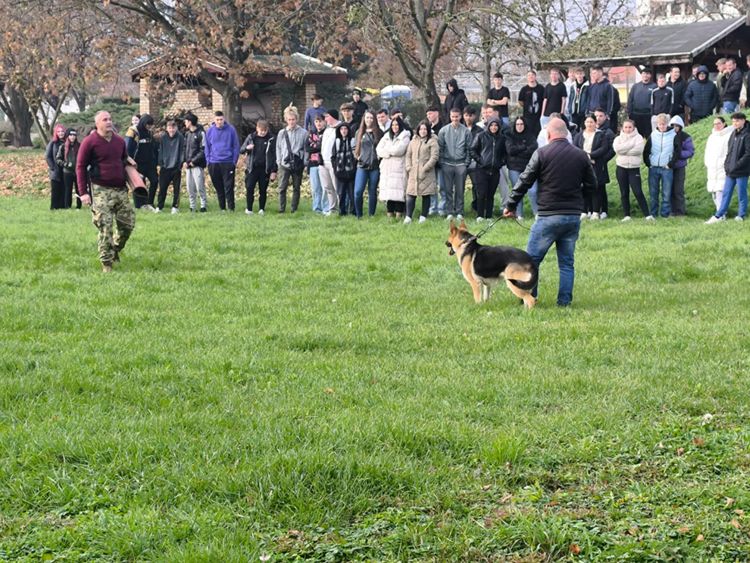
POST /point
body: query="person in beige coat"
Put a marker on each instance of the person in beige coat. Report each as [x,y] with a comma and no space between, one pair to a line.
[628,147]
[392,153]
[421,159]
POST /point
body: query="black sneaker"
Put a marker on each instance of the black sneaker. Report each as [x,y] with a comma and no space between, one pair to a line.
[203,209]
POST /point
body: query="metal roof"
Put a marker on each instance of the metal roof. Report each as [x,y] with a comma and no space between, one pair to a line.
[268,64]
[676,42]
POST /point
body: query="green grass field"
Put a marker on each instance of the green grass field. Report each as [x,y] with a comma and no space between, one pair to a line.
[296,388]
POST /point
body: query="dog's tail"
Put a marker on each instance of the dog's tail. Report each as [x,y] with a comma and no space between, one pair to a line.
[523,276]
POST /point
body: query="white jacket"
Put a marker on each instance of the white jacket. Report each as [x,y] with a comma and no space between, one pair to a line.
[392,153]
[326,144]
[714,156]
[629,149]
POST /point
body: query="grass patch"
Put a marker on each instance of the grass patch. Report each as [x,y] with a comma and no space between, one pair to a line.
[326,390]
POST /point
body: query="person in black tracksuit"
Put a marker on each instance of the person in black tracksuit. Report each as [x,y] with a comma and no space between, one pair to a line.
[488,151]
[146,157]
[260,164]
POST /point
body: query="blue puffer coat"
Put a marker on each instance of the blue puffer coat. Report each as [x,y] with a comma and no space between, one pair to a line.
[701,96]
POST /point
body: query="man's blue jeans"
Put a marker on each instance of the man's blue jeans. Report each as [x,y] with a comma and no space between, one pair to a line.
[655,175]
[514,175]
[562,231]
[369,178]
[729,107]
[726,197]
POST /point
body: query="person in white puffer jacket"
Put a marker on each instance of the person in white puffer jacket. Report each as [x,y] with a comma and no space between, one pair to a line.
[628,146]
[714,157]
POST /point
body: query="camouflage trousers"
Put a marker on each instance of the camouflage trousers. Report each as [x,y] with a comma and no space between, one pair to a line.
[111,206]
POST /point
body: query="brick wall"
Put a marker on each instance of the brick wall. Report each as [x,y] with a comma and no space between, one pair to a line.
[188,100]
[148,102]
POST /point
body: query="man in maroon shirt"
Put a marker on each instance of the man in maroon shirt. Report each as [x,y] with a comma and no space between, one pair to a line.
[102,158]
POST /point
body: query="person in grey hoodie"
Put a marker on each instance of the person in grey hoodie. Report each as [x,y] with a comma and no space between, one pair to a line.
[171,157]
[639,103]
[290,158]
[455,142]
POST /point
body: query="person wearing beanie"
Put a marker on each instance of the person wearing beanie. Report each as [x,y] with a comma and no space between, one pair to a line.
[326,172]
[701,96]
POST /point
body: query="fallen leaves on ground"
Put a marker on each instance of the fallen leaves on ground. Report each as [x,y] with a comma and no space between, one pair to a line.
[23,172]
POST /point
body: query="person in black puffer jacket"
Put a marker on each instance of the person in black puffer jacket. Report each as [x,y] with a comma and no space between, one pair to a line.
[260,164]
[488,151]
[520,144]
[737,167]
[701,96]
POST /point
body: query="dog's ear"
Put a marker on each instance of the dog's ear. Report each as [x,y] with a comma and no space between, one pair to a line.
[462,226]
[452,226]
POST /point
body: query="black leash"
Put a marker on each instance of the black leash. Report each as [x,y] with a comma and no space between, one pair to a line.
[493,223]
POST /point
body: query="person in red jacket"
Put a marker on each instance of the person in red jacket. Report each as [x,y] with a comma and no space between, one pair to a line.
[102,158]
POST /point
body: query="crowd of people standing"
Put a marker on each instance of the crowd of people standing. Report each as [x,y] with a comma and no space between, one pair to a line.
[352,150]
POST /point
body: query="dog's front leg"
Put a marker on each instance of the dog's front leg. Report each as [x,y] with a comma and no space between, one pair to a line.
[477,289]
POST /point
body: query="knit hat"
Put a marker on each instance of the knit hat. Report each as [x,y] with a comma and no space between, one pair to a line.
[333,113]
[71,131]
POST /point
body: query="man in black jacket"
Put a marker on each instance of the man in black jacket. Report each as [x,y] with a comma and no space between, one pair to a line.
[737,167]
[678,86]
[195,162]
[732,82]
[488,151]
[639,103]
[565,176]
[662,99]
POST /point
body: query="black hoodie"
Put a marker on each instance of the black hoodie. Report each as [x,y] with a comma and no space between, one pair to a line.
[342,158]
[488,150]
[456,99]
[146,156]
[194,147]
[519,147]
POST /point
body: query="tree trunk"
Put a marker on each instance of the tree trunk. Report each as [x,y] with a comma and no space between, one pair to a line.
[232,107]
[17,109]
[430,88]
[80,98]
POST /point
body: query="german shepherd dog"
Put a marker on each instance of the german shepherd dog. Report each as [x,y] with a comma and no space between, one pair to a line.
[484,266]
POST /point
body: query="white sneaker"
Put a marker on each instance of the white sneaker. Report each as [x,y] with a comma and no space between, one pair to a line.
[248,212]
[147,207]
[603,215]
[584,216]
[459,217]
[261,212]
[480,219]
[650,218]
[715,219]
[407,220]
[449,218]
[157,210]
[594,217]
[175,211]
[738,218]
[422,219]
[626,219]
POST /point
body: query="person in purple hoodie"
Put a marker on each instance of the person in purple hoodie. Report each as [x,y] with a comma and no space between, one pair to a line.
[222,152]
